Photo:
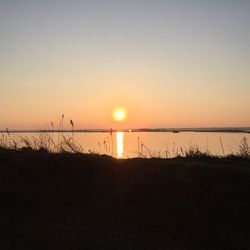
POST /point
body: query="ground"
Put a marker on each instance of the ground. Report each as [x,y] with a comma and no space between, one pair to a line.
[74,201]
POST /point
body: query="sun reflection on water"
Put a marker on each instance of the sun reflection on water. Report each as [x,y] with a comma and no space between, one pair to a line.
[119,144]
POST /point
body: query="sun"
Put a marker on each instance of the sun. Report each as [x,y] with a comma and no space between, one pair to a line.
[119,114]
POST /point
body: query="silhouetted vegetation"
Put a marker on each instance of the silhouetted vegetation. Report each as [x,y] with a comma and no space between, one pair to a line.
[244,148]
[59,143]
[84,201]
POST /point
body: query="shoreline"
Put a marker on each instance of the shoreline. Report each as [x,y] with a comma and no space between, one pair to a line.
[173,130]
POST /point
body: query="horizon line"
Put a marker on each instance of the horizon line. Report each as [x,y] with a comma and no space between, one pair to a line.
[104,130]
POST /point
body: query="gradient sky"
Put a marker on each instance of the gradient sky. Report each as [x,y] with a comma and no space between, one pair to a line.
[168,63]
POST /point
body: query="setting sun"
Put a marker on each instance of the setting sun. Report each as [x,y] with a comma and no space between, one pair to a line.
[119,114]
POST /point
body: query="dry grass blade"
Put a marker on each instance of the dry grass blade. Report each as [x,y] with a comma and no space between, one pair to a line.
[244,148]
[69,145]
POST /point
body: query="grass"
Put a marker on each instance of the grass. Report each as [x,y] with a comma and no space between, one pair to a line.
[84,201]
[44,141]
[47,142]
[54,195]
[244,148]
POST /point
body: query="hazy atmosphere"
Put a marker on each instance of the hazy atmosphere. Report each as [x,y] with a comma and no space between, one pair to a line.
[167,63]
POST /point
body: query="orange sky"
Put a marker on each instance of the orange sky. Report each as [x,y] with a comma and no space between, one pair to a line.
[168,64]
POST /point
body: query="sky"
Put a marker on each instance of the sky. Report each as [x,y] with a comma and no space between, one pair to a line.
[167,63]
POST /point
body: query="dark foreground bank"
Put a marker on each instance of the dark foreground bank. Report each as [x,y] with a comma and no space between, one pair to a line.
[72,201]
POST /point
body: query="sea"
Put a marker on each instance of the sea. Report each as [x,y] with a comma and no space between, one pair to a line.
[132,144]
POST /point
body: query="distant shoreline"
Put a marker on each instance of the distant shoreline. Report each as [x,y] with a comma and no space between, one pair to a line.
[173,130]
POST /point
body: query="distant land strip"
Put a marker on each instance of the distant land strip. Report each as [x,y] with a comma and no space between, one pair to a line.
[173,130]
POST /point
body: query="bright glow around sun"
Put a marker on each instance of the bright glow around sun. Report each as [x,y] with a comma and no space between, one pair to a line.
[119,114]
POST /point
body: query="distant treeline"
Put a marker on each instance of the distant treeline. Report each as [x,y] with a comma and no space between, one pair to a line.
[174,130]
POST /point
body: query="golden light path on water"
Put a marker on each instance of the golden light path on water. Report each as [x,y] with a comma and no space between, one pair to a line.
[119,144]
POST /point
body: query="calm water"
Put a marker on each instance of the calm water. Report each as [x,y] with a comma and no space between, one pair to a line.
[149,144]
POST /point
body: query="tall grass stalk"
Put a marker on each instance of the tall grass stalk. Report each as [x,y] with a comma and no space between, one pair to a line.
[72,127]
[138,146]
[244,148]
[112,143]
[62,122]
[222,147]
